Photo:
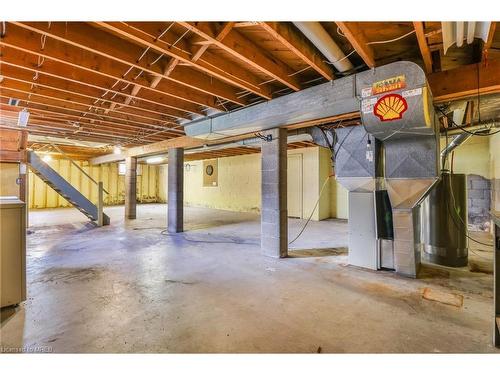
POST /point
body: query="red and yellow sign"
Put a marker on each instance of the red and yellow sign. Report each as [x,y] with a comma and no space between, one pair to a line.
[390,107]
[390,84]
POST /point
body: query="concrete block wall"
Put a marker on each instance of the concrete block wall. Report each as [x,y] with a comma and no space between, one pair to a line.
[478,202]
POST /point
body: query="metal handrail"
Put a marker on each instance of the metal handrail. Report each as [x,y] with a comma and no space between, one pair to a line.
[79,168]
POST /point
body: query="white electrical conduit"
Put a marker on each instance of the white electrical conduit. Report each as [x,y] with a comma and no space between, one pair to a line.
[324,42]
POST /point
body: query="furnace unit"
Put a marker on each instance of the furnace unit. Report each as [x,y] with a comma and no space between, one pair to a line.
[357,167]
[397,109]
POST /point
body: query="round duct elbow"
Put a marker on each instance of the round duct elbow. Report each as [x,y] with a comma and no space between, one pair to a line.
[324,42]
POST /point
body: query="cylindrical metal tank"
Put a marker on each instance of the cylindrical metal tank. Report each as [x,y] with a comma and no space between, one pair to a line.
[444,224]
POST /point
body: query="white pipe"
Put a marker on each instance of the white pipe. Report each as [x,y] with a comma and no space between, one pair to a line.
[471,29]
[448,35]
[324,42]
[460,33]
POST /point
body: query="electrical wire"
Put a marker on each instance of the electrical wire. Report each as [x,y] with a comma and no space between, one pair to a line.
[480,132]
[392,40]
[343,58]
[476,133]
[312,212]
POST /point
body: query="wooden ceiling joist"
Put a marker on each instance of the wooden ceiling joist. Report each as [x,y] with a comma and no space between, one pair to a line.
[465,81]
[211,63]
[49,130]
[76,97]
[90,89]
[238,46]
[44,116]
[424,47]
[90,39]
[70,62]
[217,81]
[355,35]
[286,34]
[79,108]
[62,130]
[75,122]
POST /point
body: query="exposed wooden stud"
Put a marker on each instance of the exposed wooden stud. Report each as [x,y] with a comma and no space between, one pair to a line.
[422,44]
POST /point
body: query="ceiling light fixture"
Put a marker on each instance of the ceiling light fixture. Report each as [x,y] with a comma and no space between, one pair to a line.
[154,160]
[23,118]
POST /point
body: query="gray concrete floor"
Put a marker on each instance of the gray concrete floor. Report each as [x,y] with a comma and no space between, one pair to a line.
[129,288]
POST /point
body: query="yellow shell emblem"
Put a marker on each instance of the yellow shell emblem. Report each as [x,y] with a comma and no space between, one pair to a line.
[390,107]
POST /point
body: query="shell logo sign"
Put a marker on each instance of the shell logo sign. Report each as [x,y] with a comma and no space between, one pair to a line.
[390,84]
[390,107]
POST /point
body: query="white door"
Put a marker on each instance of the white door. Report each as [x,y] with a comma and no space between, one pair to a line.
[294,183]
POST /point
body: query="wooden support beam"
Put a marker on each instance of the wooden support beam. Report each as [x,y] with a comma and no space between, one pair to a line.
[237,45]
[422,44]
[154,148]
[286,34]
[463,82]
[357,38]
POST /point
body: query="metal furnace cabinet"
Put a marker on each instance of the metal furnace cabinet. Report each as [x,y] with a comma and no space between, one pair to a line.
[12,251]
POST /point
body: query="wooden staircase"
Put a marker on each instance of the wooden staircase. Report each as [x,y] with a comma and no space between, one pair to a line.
[64,188]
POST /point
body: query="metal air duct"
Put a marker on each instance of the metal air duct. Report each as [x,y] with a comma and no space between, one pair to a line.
[457,141]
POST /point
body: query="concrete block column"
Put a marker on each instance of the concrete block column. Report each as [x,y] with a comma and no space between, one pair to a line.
[130,187]
[274,214]
[175,190]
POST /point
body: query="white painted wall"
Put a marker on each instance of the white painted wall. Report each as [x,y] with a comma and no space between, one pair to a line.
[472,157]
[239,183]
